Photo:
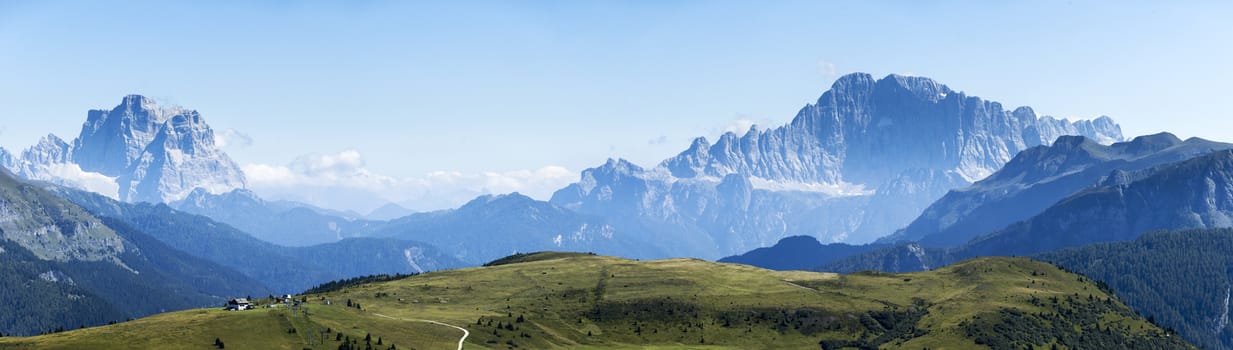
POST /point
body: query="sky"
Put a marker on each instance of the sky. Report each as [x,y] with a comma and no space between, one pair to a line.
[430,103]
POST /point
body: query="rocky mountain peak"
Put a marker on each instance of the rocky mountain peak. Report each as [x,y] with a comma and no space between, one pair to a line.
[919,87]
[852,82]
[6,159]
[112,140]
[50,149]
[151,153]
[868,131]
[618,166]
[866,158]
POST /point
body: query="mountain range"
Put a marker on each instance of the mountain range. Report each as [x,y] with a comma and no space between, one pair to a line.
[284,223]
[285,269]
[861,162]
[1123,204]
[493,226]
[1039,177]
[61,266]
[74,258]
[1091,208]
[858,164]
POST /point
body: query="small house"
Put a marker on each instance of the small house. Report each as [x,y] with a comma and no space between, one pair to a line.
[239,304]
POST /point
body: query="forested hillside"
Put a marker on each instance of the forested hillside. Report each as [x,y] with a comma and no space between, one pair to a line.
[1181,280]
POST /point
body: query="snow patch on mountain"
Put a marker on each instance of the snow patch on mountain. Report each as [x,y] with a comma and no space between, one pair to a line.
[839,189]
[411,254]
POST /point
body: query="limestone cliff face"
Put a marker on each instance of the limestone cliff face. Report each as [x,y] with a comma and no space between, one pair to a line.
[148,152]
[868,131]
[858,164]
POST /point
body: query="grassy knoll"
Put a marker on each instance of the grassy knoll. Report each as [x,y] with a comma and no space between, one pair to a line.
[580,301]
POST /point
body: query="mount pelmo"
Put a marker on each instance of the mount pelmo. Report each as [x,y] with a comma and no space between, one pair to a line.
[136,152]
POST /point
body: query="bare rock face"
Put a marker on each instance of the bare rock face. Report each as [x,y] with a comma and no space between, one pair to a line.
[146,152]
[858,164]
[868,131]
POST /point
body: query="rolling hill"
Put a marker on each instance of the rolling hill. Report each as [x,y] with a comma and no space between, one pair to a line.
[582,301]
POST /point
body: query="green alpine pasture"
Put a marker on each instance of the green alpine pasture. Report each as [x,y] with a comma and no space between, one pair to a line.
[582,301]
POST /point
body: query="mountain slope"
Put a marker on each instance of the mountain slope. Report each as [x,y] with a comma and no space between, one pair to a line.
[797,253]
[38,302]
[1196,193]
[1039,177]
[273,222]
[489,227]
[595,302]
[1180,279]
[858,164]
[64,268]
[389,211]
[286,269]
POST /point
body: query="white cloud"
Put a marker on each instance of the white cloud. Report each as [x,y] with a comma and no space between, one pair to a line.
[662,139]
[71,175]
[827,70]
[739,126]
[232,138]
[341,181]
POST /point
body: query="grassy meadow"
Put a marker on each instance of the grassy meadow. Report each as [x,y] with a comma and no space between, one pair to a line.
[579,301]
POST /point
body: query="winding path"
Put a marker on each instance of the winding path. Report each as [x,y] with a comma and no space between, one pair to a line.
[465,333]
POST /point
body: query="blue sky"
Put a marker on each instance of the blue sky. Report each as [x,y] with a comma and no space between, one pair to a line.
[466,97]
